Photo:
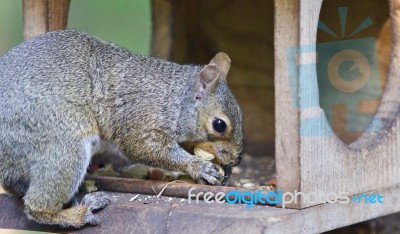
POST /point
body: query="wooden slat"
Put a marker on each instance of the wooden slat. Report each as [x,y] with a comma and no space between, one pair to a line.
[35,17]
[287,139]
[41,16]
[57,14]
[162,14]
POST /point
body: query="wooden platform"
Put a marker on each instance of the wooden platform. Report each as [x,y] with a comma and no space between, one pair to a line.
[146,214]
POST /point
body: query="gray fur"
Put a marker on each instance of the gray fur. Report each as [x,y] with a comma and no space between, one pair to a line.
[65,95]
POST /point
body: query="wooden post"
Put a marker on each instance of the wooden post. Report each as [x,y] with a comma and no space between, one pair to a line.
[41,16]
[162,16]
[287,149]
[310,158]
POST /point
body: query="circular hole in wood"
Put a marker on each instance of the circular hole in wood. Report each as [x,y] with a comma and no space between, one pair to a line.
[353,54]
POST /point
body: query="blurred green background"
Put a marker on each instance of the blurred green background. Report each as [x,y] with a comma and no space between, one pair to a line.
[124,22]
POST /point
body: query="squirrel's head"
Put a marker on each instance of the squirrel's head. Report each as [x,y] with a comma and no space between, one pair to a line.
[219,125]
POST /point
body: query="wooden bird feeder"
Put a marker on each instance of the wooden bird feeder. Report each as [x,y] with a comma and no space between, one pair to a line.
[310,158]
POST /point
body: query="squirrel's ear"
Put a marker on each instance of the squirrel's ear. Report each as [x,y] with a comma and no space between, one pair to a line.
[207,80]
[223,63]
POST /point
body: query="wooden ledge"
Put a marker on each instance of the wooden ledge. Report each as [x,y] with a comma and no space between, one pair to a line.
[129,213]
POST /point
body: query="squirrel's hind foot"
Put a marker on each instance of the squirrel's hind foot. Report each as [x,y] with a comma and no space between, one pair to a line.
[77,216]
[95,201]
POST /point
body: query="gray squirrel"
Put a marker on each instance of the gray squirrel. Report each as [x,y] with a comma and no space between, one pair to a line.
[66,95]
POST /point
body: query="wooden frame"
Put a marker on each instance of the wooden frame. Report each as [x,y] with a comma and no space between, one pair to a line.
[321,162]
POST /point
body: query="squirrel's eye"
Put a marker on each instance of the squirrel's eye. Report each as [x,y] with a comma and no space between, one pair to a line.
[219,125]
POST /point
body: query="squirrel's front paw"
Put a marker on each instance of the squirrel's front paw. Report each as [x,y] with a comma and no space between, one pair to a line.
[205,172]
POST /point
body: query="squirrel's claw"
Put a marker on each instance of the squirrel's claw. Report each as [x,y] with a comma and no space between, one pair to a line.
[210,174]
[227,174]
[207,179]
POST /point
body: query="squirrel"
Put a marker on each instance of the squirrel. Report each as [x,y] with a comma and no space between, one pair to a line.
[66,95]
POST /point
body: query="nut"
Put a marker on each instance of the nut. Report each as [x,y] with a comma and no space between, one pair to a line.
[203,154]
[220,169]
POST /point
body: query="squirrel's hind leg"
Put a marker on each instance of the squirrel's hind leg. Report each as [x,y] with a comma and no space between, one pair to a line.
[56,180]
[76,216]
